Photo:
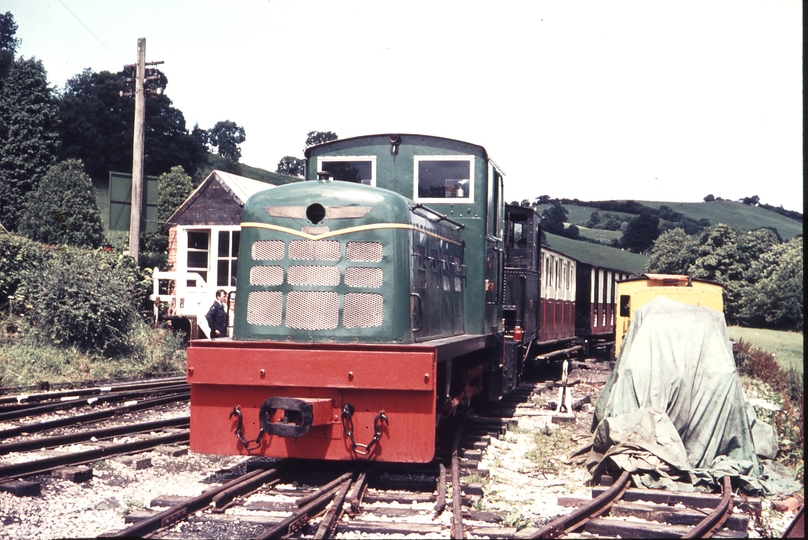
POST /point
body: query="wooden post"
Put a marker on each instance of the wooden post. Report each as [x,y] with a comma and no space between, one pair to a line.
[137,152]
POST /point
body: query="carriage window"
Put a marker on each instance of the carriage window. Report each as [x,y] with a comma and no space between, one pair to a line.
[349,169]
[444,177]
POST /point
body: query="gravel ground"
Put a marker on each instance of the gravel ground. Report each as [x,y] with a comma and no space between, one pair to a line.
[526,479]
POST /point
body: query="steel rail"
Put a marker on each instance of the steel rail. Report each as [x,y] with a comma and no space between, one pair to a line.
[34,409]
[39,466]
[360,488]
[796,529]
[179,511]
[93,416]
[32,391]
[457,511]
[225,497]
[89,391]
[328,525]
[312,505]
[596,507]
[710,524]
[59,440]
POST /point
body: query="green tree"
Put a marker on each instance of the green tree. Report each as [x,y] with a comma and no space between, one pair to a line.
[291,166]
[724,255]
[97,123]
[173,188]
[319,137]
[640,233]
[594,220]
[226,136]
[553,219]
[8,43]
[97,126]
[673,253]
[541,199]
[29,139]
[572,232]
[62,210]
[775,296]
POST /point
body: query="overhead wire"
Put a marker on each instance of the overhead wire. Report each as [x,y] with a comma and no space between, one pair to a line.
[90,31]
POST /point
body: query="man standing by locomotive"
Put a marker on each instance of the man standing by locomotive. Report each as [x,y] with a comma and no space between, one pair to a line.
[217,316]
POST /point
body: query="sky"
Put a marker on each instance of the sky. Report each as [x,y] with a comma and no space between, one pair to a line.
[595,100]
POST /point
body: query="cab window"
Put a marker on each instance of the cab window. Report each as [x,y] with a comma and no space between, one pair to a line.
[438,178]
[360,170]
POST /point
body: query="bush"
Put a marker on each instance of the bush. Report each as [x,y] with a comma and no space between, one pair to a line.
[83,298]
[18,255]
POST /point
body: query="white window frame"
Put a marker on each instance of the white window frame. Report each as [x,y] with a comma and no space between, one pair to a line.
[372,160]
[213,250]
[443,200]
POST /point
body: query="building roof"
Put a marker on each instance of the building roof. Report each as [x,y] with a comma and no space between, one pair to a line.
[239,187]
[598,255]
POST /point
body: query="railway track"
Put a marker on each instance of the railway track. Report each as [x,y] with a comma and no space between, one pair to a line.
[264,498]
[282,498]
[84,425]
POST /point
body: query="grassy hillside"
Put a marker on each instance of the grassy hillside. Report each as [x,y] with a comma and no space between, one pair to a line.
[598,254]
[579,214]
[734,213]
[731,213]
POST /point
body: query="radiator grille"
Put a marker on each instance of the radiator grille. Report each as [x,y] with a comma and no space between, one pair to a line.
[363,310]
[364,251]
[265,308]
[314,250]
[266,275]
[267,250]
[313,275]
[356,276]
[312,310]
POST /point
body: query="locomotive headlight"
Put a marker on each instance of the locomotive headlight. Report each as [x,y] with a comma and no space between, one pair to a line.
[315,212]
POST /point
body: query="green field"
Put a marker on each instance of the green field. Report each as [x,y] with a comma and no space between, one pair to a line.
[733,213]
[600,235]
[787,347]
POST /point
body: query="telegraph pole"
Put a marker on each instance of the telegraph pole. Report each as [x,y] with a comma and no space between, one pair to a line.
[137,152]
[138,143]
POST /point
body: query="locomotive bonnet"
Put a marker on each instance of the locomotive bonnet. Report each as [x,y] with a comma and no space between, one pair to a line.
[327,261]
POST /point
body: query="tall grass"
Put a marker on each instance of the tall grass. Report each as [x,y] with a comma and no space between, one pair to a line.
[26,360]
[788,391]
[785,347]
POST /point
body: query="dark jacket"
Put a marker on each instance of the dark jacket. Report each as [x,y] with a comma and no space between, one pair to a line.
[217,320]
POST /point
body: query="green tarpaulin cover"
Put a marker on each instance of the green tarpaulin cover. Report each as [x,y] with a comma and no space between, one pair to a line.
[673,412]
